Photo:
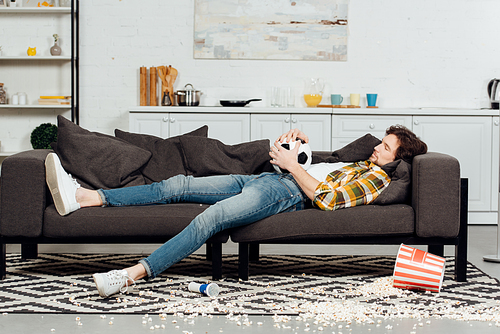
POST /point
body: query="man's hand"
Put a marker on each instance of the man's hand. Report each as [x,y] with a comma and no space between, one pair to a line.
[293,135]
[285,159]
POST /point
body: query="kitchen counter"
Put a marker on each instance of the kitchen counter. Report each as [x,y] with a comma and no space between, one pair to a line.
[334,111]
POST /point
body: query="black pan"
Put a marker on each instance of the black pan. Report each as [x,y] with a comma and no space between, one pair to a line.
[236,103]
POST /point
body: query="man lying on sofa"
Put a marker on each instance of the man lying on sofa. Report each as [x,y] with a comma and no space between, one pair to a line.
[236,200]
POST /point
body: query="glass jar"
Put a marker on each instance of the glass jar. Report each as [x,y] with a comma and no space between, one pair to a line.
[3,95]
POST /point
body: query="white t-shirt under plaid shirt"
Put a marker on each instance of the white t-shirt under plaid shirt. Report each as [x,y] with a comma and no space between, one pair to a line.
[355,184]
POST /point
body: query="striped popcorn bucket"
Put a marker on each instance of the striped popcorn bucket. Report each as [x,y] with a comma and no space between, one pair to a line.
[418,270]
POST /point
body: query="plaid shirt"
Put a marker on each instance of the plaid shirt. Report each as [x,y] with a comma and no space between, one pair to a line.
[355,184]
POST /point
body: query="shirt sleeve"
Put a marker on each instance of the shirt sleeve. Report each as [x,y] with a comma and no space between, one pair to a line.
[353,185]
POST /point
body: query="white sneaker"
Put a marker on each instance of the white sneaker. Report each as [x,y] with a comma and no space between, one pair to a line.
[112,282]
[61,185]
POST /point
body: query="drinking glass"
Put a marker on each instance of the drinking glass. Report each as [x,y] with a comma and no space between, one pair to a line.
[275,97]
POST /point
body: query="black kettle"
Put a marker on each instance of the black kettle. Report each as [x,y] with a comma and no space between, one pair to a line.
[494,93]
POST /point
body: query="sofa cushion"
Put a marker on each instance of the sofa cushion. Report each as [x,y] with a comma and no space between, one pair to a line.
[313,225]
[166,154]
[399,190]
[207,156]
[358,150]
[98,160]
[158,221]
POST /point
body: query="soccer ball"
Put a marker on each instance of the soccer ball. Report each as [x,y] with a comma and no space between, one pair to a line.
[304,158]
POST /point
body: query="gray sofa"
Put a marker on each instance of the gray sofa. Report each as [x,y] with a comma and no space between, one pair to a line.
[433,212]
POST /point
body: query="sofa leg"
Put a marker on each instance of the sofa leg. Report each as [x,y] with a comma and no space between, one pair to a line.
[3,261]
[29,251]
[216,252]
[436,250]
[243,260]
[461,248]
[254,252]
[209,251]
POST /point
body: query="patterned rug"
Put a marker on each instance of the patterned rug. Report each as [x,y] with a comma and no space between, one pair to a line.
[355,288]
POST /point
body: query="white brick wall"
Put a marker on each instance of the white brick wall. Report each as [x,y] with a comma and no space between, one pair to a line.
[420,54]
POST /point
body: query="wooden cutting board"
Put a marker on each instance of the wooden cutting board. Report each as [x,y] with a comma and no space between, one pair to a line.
[143,86]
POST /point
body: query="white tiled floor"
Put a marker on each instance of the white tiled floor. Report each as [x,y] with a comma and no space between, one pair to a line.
[482,241]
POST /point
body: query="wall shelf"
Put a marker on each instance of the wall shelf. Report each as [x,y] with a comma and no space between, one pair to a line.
[35,106]
[37,10]
[35,58]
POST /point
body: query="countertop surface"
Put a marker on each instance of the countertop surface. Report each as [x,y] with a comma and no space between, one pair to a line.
[334,111]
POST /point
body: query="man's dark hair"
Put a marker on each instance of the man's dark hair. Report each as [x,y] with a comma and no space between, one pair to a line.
[409,144]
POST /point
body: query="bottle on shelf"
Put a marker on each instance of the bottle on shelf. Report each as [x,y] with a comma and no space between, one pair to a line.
[3,95]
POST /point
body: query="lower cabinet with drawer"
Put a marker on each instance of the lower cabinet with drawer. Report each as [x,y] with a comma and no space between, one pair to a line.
[229,128]
[346,128]
[315,126]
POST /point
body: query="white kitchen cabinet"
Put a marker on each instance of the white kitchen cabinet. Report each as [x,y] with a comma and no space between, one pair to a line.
[346,128]
[315,126]
[155,124]
[228,128]
[469,139]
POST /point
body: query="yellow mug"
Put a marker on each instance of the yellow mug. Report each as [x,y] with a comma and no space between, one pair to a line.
[354,99]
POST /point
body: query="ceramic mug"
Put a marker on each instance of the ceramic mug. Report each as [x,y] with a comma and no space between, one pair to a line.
[337,99]
[371,100]
[355,99]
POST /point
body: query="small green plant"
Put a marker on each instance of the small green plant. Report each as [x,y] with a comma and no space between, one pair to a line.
[43,135]
[56,37]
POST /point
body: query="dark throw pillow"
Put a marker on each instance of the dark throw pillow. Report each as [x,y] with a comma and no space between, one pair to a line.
[207,156]
[98,160]
[166,154]
[358,150]
[399,190]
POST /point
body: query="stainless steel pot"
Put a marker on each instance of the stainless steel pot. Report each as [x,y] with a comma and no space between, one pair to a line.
[188,96]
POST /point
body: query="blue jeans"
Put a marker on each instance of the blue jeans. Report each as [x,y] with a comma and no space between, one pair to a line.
[235,200]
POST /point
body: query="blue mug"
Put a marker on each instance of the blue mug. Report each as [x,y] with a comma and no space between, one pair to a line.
[336,99]
[371,100]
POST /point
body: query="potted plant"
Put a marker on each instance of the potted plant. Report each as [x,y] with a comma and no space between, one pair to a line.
[43,135]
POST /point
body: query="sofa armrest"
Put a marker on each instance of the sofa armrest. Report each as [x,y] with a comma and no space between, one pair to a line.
[23,194]
[436,195]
